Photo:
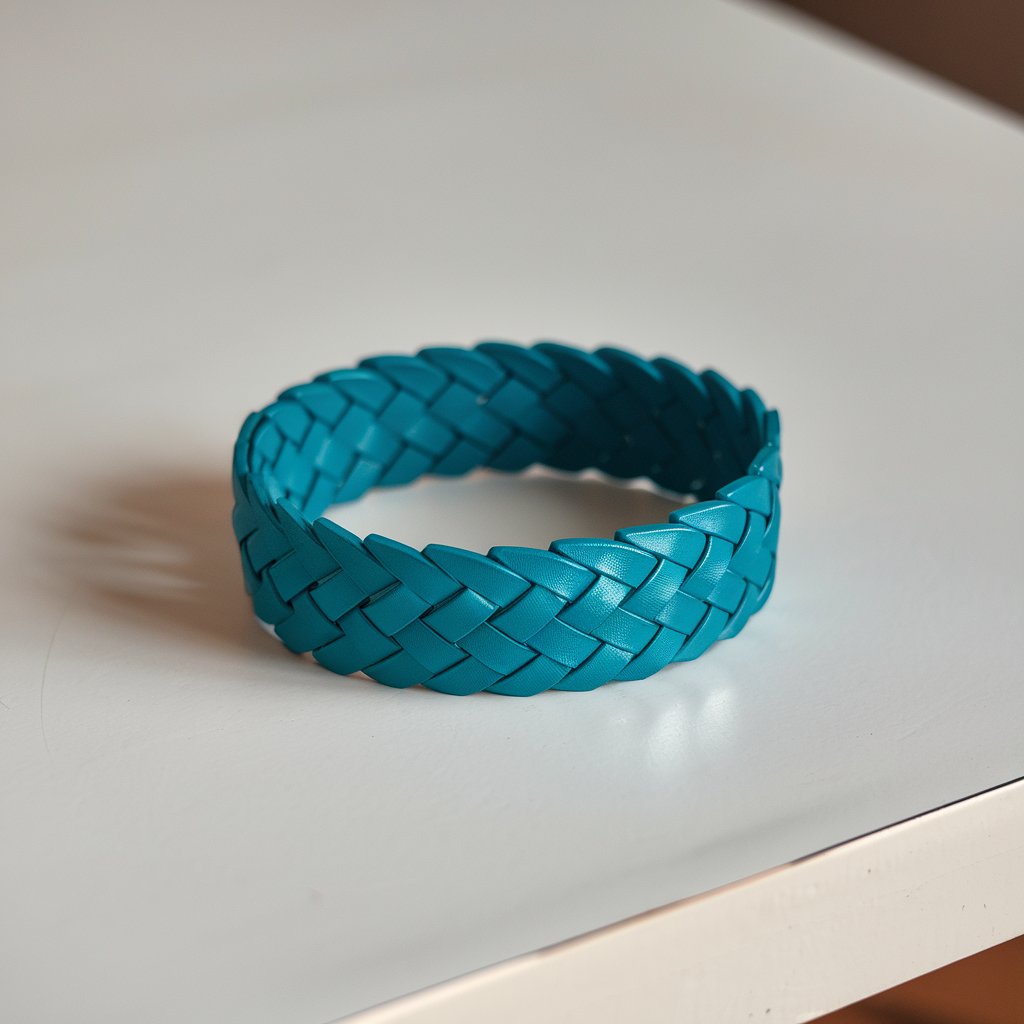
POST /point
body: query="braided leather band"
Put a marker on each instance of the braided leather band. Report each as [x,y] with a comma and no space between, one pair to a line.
[516,620]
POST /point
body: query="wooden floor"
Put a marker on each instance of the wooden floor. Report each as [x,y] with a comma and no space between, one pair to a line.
[983,989]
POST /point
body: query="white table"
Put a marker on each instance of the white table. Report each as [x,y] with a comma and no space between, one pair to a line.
[204,203]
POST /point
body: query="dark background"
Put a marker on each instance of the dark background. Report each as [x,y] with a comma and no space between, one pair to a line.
[976,44]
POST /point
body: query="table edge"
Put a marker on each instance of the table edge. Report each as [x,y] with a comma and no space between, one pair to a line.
[790,943]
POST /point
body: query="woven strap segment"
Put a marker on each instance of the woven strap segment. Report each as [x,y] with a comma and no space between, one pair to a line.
[517,620]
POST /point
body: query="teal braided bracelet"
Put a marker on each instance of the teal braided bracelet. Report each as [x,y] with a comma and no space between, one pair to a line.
[517,620]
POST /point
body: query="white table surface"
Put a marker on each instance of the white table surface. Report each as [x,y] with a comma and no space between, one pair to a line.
[204,203]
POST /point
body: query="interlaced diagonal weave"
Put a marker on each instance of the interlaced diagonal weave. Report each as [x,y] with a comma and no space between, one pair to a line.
[517,620]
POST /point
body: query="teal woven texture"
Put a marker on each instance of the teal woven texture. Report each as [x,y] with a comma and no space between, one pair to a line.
[517,620]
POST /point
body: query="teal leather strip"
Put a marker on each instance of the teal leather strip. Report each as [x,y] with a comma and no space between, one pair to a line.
[517,620]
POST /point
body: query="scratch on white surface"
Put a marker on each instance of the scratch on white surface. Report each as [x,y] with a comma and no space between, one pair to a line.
[46,666]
